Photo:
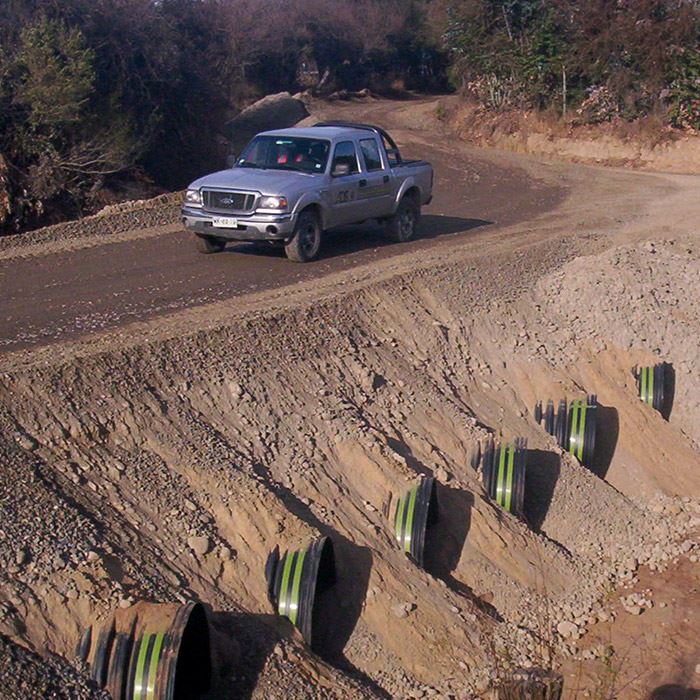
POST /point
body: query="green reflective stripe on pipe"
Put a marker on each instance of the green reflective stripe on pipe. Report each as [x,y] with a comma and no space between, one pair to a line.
[139,680]
[582,431]
[501,476]
[398,524]
[284,588]
[509,478]
[643,384]
[294,605]
[153,667]
[409,520]
[573,428]
[647,388]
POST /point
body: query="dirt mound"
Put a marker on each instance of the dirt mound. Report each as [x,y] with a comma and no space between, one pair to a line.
[649,147]
[110,223]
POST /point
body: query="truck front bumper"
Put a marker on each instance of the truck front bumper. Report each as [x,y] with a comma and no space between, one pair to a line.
[254,227]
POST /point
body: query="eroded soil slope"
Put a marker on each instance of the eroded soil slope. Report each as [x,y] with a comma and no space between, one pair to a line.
[282,426]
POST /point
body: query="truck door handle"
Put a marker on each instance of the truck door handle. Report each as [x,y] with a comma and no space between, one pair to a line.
[363,183]
[386,178]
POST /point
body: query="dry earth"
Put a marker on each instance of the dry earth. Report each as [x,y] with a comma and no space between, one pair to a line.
[165,458]
[620,144]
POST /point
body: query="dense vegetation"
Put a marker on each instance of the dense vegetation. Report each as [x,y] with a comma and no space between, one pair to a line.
[605,59]
[96,95]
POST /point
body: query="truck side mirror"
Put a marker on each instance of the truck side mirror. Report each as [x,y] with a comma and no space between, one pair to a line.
[231,160]
[340,170]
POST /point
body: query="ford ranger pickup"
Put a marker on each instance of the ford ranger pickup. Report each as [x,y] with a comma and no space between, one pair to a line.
[290,185]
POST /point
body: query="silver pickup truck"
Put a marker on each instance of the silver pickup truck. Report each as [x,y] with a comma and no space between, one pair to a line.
[289,186]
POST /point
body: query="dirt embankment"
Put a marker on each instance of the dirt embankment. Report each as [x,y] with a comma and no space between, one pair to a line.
[275,428]
[642,147]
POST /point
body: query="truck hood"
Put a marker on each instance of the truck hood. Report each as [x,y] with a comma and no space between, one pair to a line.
[269,182]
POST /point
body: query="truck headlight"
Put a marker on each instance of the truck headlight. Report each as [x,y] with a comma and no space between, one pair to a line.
[273,203]
[193,198]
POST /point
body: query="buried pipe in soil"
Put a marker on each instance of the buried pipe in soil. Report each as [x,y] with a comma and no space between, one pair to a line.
[415,512]
[296,579]
[573,425]
[150,652]
[656,386]
[503,470]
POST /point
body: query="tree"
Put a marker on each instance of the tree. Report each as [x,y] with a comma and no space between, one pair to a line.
[60,139]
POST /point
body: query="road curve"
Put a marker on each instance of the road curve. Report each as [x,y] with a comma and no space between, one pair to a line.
[65,295]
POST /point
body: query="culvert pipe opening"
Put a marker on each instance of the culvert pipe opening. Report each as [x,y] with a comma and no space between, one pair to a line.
[296,579]
[150,651]
[415,512]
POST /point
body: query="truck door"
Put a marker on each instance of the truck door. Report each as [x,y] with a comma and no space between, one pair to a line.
[345,185]
[376,187]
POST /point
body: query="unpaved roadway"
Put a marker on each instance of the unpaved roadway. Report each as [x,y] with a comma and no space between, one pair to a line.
[65,294]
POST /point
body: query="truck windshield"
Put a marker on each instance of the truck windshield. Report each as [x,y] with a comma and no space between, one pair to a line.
[286,153]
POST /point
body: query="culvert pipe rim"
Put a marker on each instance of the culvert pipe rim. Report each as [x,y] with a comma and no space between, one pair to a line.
[150,651]
[651,384]
[573,425]
[295,579]
[504,468]
[415,511]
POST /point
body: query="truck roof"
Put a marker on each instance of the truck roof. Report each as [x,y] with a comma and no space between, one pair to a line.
[315,132]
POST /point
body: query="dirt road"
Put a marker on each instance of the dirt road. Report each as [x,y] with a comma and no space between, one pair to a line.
[65,294]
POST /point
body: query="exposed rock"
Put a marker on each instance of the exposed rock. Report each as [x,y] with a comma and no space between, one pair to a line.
[199,544]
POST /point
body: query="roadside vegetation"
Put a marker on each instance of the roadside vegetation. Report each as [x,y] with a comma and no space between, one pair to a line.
[102,100]
[598,59]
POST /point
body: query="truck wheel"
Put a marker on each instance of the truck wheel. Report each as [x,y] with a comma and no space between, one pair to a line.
[210,244]
[306,242]
[402,225]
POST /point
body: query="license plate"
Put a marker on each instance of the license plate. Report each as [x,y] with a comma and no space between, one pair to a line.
[224,222]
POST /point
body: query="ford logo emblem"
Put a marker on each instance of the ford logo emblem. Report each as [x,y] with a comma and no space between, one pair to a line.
[227,200]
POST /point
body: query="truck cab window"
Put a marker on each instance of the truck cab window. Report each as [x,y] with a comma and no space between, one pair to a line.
[370,152]
[392,152]
[345,153]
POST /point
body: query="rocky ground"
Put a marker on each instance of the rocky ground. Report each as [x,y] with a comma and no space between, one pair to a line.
[165,459]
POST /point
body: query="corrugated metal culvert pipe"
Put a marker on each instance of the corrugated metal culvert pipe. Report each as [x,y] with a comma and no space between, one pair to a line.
[504,469]
[415,512]
[573,425]
[296,579]
[150,651]
[652,385]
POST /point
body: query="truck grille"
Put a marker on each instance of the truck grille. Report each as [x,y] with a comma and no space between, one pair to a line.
[228,201]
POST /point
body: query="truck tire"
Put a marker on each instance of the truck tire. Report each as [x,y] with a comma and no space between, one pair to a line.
[306,241]
[402,225]
[210,244]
